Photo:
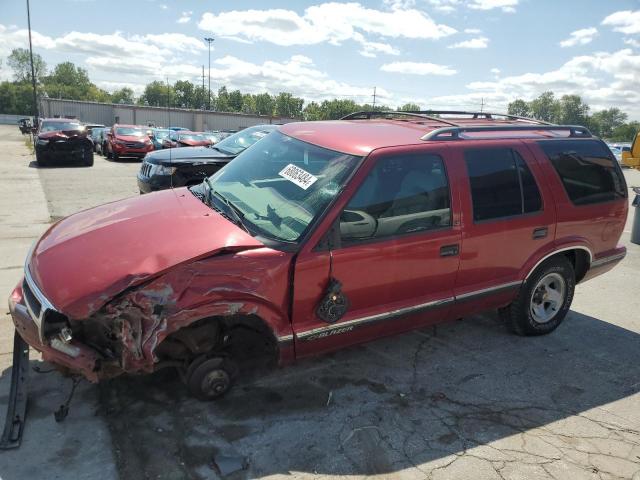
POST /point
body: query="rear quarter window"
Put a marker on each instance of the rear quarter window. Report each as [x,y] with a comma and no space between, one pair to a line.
[587,169]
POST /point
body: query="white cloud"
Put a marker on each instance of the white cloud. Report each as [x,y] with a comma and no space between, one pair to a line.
[450,6]
[495,71]
[479,42]
[185,17]
[633,42]
[625,21]
[418,68]
[580,37]
[603,79]
[331,22]
[164,7]
[505,5]
[472,31]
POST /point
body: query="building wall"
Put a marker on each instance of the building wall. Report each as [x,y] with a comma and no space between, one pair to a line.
[108,114]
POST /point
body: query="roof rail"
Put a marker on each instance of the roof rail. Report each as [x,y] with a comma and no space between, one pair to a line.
[454,133]
[368,115]
[474,114]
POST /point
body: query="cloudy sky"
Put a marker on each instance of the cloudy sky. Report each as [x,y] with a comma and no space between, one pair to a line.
[437,53]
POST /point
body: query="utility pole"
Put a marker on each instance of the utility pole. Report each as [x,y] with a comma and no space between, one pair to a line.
[33,71]
[209,40]
[481,104]
[202,87]
[374,98]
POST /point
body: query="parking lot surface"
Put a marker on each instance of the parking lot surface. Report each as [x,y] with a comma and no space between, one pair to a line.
[465,400]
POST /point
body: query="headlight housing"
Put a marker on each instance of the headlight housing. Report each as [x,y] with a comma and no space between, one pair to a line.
[42,141]
[163,170]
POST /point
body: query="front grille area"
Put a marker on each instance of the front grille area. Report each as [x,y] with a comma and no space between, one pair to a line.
[145,169]
[32,302]
[134,144]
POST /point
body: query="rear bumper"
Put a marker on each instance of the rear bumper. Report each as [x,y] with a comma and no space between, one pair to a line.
[85,363]
[605,262]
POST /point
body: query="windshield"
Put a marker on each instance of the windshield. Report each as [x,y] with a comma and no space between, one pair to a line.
[192,136]
[238,142]
[160,134]
[281,185]
[135,132]
[58,126]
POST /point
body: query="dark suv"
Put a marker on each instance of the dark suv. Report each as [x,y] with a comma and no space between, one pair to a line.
[327,234]
[61,141]
[177,167]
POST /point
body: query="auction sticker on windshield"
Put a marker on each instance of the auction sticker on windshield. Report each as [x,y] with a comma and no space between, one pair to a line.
[297,175]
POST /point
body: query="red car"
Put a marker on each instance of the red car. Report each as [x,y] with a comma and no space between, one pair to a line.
[323,235]
[128,141]
[182,138]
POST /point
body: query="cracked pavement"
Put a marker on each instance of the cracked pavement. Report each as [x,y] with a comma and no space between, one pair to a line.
[465,400]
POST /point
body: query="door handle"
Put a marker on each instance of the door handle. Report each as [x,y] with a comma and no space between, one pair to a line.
[540,232]
[449,250]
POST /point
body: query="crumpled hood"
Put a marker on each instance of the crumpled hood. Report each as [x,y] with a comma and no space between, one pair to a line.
[86,259]
[61,134]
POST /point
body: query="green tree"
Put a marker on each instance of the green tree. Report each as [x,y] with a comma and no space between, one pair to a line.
[625,132]
[605,122]
[184,94]
[235,101]
[572,110]
[20,62]
[519,108]
[545,107]
[265,104]
[288,106]
[16,98]
[71,82]
[248,103]
[331,109]
[409,107]
[158,94]
[124,95]
[222,103]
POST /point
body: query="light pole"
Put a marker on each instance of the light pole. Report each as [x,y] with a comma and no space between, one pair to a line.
[209,40]
[33,72]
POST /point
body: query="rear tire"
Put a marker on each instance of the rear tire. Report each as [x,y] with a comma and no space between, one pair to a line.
[544,299]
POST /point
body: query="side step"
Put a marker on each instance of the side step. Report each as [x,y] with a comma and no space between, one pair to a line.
[17,407]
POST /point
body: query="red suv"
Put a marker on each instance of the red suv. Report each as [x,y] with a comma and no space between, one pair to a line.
[323,235]
[128,141]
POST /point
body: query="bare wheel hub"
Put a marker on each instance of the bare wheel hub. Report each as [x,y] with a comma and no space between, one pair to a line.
[547,298]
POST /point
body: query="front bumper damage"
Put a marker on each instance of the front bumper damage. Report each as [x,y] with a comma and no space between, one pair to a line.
[17,406]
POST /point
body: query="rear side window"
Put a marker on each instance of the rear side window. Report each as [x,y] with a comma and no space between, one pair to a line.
[587,170]
[501,184]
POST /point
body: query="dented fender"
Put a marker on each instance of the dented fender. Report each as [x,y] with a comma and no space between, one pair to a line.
[251,283]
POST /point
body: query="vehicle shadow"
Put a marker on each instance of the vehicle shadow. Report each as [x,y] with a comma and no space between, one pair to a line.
[418,400]
[34,164]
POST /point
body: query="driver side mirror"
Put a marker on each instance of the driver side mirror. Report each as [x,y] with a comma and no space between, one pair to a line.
[357,225]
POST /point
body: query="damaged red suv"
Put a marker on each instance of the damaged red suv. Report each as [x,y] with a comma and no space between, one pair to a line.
[323,235]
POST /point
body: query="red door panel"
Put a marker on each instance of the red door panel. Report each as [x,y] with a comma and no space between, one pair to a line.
[494,251]
[392,284]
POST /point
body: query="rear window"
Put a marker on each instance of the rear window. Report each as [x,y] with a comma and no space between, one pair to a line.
[501,184]
[587,170]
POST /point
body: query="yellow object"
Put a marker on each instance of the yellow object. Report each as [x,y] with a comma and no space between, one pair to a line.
[632,158]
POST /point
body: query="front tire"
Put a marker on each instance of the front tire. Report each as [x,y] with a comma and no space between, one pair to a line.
[544,299]
[87,159]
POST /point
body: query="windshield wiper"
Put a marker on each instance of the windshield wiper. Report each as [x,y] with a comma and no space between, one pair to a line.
[224,152]
[236,214]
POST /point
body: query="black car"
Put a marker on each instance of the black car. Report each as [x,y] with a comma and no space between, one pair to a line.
[179,167]
[63,141]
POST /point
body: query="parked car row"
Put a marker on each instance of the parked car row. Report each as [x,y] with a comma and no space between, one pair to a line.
[170,168]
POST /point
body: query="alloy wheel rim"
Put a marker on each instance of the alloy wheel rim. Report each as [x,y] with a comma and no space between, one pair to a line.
[547,298]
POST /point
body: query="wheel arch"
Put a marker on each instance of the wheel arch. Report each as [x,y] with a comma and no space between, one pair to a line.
[580,257]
